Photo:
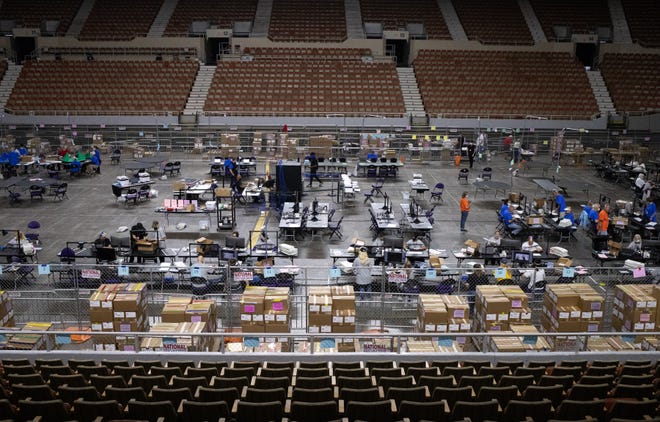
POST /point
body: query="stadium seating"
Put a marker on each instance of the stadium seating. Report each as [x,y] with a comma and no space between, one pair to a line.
[499,22]
[581,16]
[31,13]
[633,81]
[643,17]
[308,20]
[318,84]
[506,84]
[220,13]
[119,19]
[566,407]
[395,15]
[109,86]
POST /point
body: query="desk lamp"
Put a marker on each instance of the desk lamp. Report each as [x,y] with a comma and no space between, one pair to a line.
[315,205]
[296,207]
[385,205]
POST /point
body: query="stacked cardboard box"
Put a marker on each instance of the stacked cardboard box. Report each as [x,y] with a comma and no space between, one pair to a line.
[610,344]
[571,308]
[343,316]
[319,310]
[497,308]
[6,310]
[27,341]
[321,145]
[121,308]
[182,309]
[230,144]
[177,342]
[526,339]
[252,309]
[635,308]
[443,314]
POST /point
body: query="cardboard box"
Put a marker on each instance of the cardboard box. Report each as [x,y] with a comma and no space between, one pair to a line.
[128,302]
[174,313]
[319,304]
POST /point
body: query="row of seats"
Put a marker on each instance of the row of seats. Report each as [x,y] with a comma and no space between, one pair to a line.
[581,16]
[119,19]
[489,22]
[310,20]
[302,53]
[642,17]
[103,85]
[221,13]
[243,86]
[31,13]
[632,80]
[419,390]
[519,72]
[395,15]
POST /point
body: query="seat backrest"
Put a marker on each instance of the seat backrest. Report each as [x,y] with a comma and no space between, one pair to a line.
[153,410]
[259,412]
[314,411]
[204,411]
[476,411]
[312,394]
[84,410]
[369,411]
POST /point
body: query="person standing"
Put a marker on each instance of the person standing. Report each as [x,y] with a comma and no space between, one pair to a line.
[465,210]
[603,220]
[160,236]
[313,169]
[650,210]
[138,232]
[362,271]
[96,159]
[561,203]
[471,152]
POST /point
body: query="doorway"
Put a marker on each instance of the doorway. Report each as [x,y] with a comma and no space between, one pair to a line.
[587,53]
[24,46]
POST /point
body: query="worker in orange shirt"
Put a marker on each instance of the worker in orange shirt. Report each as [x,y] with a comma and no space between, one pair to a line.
[603,220]
[465,210]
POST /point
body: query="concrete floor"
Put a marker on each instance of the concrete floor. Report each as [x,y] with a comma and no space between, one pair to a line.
[92,208]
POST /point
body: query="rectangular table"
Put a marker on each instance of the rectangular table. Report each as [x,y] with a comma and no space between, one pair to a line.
[384,220]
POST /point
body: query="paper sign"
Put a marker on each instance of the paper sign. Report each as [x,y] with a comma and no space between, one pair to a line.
[427,138]
[437,137]
[335,272]
[500,272]
[445,341]
[0,269]
[446,138]
[248,309]
[251,341]
[269,272]
[243,276]
[414,137]
[278,306]
[639,272]
[91,273]
[530,340]
[431,273]
[196,318]
[122,270]
[628,339]
[62,339]
[328,343]
[195,272]
[568,272]
[44,269]
[432,127]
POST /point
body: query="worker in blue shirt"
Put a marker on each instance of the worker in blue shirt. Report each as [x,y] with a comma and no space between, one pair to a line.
[230,168]
[561,202]
[507,216]
[569,215]
[650,210]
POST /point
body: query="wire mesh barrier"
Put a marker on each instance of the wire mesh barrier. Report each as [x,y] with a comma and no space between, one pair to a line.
[60,293]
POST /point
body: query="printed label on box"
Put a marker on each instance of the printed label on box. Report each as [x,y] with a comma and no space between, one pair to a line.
[651,304]
[108,326]
[454,327]
[503,317]
[118,314]
[491,317]
[442,328]
[97,327]
[564,315]
[644,317]
[248,309]
[641,304]
[94,304]
[314,308]
[196,318]
[639,326]
[429,327]
[514,315]
[349,320]
[269,317]
[313,329]
[526,315]
[459,313]
[586,315]
[278,306]
[280,317]
[337,319]
[125,328]
[597,314]
[258,317]
[649,325]
[130,314]
[576,314]
[326,328]
[516,303]
[465,326]
[595,306]
[326,308]
[246,317]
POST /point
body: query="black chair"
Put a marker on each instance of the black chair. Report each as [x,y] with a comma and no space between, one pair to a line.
[572,409]
[503,395]
[555,393]
[37,192]
[370,394]
[174,395]
[313,382]
[463,175]
[588,392]
[476,411]
[312,394]
[322,411]
[71,394]
[210,394]
[519,410]
[639,409]
[522,382]
[33,392]
[25,379]
[354,382]
[417,372]
[192,411]
[487,173]
[125,394]
[183,365]
[88,411]
[154,411]
[312,372]
[416,411]
[74,380]
[431,382]
[378,411]
[259,412]
[452,395]
[262,395]
[177,167]
[229,382]
[46,410]
[127,372]
[334,229]
[398,394]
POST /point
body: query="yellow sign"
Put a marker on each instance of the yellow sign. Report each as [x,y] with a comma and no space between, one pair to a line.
[414,137]
[437,137]
[427,137]
[432,127]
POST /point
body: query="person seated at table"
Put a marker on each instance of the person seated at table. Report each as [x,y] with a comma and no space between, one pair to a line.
[476,277]
[102,241]
[533,278]
[639,183]
[647,190]
[81,156]
[507,218]
[635,247]
[67,158]
[505,206]
[372,156]
[237,184]
[62,152]
[505,277]
[138,232]
[18,239]
[561,202]
[94,165]
[568,215]
[531,246]
[415,244]
[494,240]
[650,211]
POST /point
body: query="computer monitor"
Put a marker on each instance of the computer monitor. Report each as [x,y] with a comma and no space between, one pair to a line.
[393,257]
[523,257]
[393,242]
[235,242]
[228,254]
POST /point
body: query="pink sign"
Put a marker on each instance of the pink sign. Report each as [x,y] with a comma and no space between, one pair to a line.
[196,318]
[248,309]
[278,306]
[639,272]
[516,304]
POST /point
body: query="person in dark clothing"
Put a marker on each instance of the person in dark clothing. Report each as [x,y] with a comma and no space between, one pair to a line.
[471,152]
[138,232]
[313,168]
